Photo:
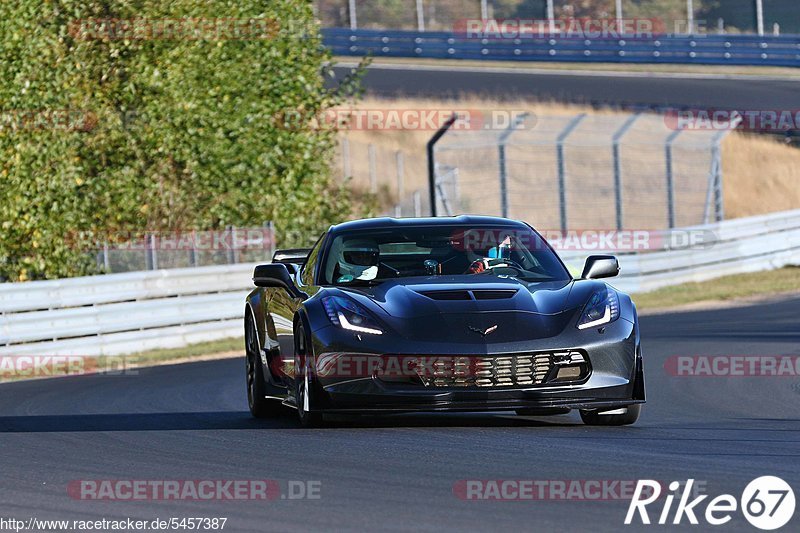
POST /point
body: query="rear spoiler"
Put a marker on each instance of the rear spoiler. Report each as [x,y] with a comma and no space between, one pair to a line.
[293,256]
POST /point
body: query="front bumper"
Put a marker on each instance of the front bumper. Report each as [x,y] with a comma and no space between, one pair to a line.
[614,377]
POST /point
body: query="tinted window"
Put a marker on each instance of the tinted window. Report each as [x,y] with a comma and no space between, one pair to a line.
[372,256]
[307,274]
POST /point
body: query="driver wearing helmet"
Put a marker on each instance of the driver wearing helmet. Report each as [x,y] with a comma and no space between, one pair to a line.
[496,257]
[358,259]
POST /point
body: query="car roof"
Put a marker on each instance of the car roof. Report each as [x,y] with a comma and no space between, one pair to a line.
[389,223]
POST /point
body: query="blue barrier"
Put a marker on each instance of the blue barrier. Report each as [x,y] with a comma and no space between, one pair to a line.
[783,51]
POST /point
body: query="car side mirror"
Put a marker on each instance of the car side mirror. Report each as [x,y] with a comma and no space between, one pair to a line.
[293,258]
[276,275]
[600,266]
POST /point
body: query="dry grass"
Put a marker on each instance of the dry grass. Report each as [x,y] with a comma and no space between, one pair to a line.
[727,288]
[761,174]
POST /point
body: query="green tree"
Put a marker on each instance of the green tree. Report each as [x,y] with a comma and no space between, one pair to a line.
[185,131]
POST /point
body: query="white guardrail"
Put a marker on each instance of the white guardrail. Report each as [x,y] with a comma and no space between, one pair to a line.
[125,313]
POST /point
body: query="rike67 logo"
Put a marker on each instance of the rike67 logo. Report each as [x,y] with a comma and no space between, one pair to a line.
[767,502]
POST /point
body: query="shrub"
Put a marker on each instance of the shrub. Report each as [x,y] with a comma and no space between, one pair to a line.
[106,130]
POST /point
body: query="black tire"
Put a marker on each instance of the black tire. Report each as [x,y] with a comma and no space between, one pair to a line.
[260,406]
[304,400]
[594,418]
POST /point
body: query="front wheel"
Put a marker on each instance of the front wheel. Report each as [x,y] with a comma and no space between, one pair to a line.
[302,383]
[260,406]
[612,418]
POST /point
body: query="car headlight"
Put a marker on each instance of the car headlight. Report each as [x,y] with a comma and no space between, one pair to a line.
[350,316]
[602,308]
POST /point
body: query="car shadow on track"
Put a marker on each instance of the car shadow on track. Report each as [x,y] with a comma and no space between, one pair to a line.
[237,420]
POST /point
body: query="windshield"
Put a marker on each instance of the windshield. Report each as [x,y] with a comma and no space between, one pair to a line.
[373,256]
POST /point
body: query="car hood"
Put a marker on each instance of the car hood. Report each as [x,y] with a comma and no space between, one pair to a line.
[422,297]
[441,307]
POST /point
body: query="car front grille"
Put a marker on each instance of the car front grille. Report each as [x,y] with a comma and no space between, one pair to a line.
[512,370]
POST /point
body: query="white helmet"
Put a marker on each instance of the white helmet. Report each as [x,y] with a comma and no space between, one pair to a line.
[359,258]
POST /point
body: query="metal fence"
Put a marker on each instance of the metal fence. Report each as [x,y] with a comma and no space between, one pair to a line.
[730,16]
[609,171]
[394,176]
[185,249]
[371,167]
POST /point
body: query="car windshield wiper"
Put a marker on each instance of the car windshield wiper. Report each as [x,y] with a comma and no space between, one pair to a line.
[361,283]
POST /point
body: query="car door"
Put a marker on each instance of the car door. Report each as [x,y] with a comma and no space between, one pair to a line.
[282,308]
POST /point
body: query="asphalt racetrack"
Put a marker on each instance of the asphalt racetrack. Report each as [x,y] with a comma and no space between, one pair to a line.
[743,93]
[190,422]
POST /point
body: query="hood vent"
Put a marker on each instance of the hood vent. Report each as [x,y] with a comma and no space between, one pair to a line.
[477,294]
[488,294]
[447,295]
